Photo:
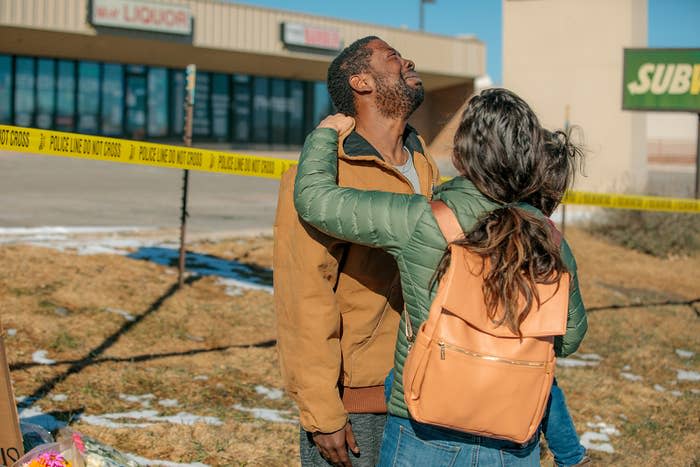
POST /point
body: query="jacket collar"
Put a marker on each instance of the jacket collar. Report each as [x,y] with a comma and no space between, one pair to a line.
[354,147]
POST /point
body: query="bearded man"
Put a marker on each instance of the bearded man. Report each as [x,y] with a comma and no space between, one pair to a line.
[337,304]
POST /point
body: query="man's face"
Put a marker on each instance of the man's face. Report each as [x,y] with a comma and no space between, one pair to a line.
[398,88]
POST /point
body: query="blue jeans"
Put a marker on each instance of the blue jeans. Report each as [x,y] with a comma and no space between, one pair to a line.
[559,430]
[407,443]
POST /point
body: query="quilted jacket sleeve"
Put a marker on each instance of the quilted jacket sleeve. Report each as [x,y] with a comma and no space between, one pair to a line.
[577,321]
[373,218]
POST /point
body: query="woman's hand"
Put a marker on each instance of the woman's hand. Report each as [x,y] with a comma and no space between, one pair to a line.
[338,122]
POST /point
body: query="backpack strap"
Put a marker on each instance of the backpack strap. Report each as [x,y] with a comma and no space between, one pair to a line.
[447,221]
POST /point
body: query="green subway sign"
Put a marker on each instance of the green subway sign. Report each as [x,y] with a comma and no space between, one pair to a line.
[662,79]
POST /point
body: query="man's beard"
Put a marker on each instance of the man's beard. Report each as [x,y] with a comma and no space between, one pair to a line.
[398,100]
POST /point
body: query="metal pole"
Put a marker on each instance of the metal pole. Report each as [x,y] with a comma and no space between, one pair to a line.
[697,163]
[421,21]
[190,77]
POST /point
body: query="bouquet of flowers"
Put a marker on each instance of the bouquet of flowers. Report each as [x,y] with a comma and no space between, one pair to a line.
[72,449]
[61,454]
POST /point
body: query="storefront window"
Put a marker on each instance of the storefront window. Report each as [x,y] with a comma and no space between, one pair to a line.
[140,101]
[322,102]
[6,88]
[88,97]
[157,102]
[45,92]
[136,102]
[177,92]
[261,106]
[112,99]
[220,106]
[278,106]
[295,131]
[65,96]
[241,108]
[24,91]
[202,108]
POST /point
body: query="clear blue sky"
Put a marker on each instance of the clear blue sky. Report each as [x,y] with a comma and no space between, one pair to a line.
[672,23]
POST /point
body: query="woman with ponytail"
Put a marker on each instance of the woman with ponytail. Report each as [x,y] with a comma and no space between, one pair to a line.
[513,174]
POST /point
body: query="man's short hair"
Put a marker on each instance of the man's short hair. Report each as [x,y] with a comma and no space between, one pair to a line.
[352,60]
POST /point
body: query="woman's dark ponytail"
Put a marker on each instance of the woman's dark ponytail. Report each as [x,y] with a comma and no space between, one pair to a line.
[502,149]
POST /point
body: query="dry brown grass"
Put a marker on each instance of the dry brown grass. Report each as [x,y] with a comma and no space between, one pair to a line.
[200,330]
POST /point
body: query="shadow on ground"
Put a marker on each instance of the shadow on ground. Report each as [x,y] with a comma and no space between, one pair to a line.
[207,265]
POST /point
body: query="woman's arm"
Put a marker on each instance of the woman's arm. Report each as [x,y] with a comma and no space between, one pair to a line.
[374,218]
[577,321]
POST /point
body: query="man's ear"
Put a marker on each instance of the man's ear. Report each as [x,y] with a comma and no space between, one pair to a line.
[362,83]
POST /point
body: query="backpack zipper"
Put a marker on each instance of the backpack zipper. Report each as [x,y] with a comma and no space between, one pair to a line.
[444,345]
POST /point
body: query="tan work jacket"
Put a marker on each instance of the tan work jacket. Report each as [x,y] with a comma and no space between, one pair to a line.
[338,304]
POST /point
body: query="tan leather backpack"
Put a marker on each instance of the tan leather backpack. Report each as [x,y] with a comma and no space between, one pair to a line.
[465,373]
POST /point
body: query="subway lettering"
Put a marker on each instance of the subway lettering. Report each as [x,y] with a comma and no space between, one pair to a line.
[662,78]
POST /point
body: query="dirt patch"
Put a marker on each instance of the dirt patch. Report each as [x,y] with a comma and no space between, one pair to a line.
[175,374]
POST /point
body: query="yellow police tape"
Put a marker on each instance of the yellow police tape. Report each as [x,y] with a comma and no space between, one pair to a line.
[57,143]
[101,148]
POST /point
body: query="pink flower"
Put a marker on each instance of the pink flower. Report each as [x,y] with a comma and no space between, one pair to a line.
[78,441]
[50,459]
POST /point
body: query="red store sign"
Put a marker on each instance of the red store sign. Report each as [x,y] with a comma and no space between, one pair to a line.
[311,36]
[145,16]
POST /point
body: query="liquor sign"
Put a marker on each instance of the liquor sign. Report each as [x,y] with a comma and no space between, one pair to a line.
[661,79]
[302,35]
[145,16]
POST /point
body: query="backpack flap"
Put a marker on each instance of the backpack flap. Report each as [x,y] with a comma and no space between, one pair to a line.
[465,298]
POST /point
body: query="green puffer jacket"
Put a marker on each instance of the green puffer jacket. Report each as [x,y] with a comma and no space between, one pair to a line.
[404,226]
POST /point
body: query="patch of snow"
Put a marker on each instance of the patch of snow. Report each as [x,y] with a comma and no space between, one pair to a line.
[271,415]
[169,402]
[599,440]
[604,428]
[63,238]
[235,287]
[592,441]
[40,357]
[631,376]
[148,417]
[118,311]
[201,378]
[273,394]
[60,311]
[684,353]
[683,375]
[144,399]
[626,368]
[59,398]
[574,363]
[11,332]
[695,391]
[659,388]
[589,356]
[148,462]
[677,393]
[97,420]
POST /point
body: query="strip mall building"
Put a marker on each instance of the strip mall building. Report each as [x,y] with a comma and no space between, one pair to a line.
[116,68]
